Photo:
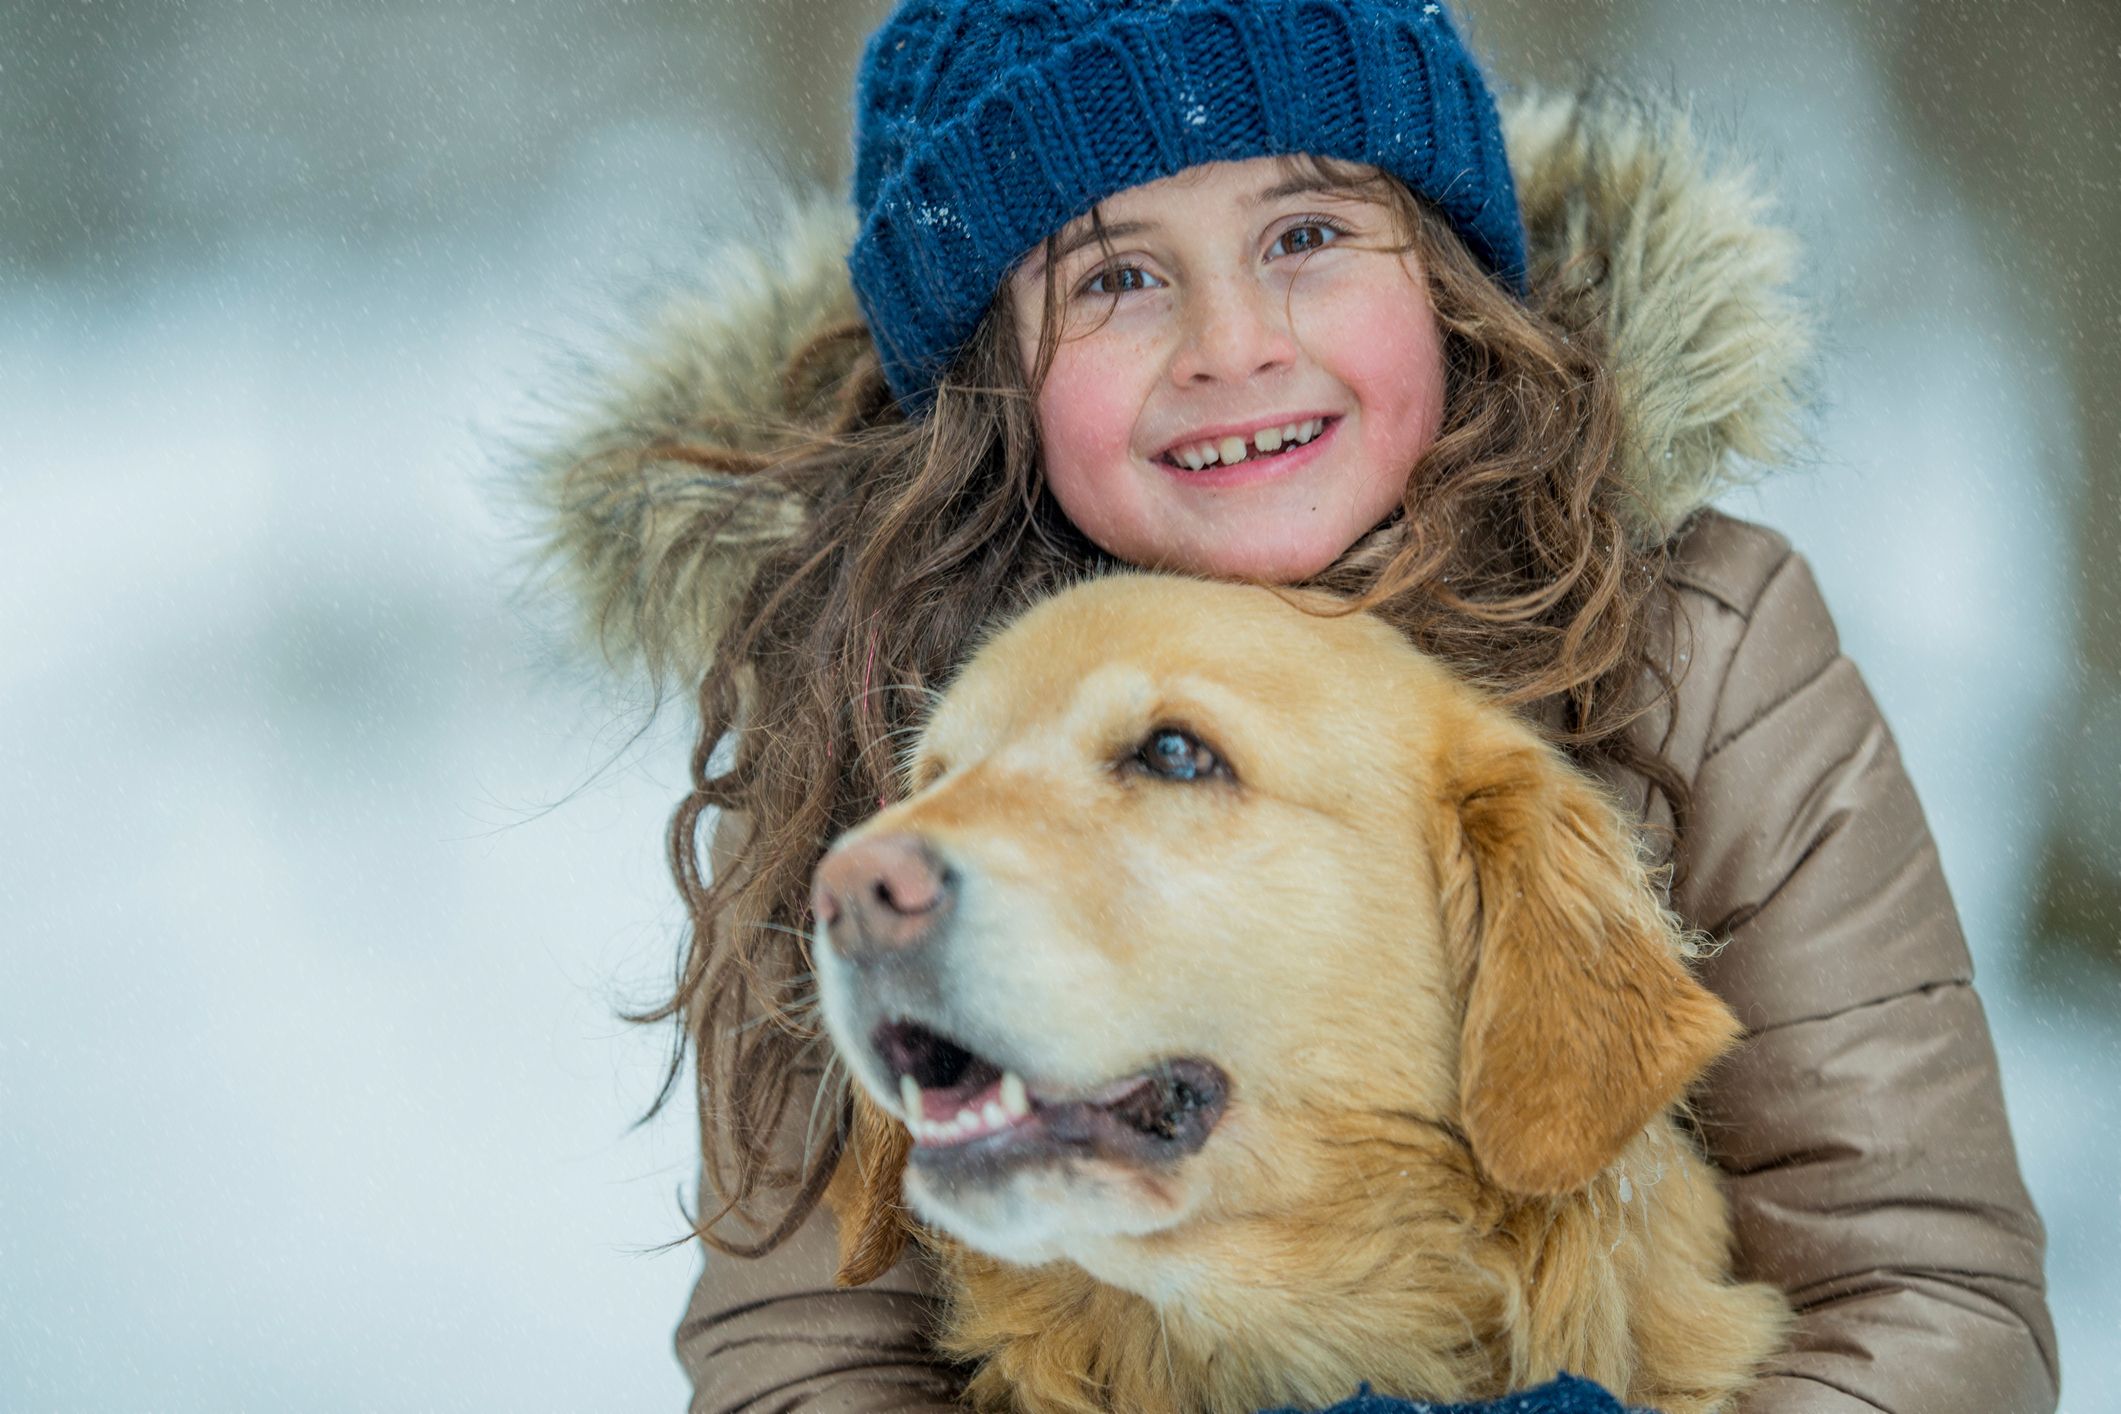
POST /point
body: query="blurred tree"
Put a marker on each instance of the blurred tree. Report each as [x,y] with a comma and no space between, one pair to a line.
[74,173]
[1550,43]
[797,59]
[2021,106]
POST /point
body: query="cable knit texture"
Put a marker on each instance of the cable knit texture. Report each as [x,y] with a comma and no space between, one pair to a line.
[983,126]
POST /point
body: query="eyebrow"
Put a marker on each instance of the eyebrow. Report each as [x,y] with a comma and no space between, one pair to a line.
[1087,233]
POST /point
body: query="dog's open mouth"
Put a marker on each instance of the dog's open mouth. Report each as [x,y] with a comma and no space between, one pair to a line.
[966,1111]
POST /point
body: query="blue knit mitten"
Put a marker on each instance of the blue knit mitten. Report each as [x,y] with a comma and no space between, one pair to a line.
[1567,1395]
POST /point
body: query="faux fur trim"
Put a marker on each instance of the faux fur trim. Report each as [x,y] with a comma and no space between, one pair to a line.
[1707,342]
[655,552]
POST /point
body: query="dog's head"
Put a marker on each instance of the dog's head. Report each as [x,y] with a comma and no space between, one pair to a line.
[1190,876]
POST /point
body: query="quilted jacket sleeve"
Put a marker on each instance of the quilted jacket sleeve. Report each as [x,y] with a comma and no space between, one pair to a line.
[1870,1165]
[775,1334]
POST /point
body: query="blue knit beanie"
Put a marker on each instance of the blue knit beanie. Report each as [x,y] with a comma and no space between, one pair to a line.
[983,126]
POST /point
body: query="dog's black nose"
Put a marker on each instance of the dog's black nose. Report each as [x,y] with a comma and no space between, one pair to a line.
[883,896]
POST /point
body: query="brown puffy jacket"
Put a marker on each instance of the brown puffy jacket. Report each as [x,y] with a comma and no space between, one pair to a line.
[1861,1125]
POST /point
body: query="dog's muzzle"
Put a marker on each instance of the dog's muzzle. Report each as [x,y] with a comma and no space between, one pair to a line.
[886,908]
[884,898]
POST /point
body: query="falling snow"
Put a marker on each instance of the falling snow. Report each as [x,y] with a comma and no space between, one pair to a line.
[308,1001]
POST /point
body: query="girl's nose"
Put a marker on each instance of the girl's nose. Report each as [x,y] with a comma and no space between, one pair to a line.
[1233,330]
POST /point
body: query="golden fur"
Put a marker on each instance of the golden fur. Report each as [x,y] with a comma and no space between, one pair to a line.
[1456,1021]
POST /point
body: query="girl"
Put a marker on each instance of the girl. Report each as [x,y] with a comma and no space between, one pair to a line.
[1247,290]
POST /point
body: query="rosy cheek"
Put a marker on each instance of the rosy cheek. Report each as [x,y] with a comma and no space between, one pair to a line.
[1086,415]
[1392,356]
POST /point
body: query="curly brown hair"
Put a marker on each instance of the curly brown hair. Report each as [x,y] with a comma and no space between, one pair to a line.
[1509,558]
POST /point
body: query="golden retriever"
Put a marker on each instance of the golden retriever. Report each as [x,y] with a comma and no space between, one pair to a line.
[1250,1009]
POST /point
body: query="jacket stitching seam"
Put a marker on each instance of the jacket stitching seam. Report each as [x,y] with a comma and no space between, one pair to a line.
[1921,989]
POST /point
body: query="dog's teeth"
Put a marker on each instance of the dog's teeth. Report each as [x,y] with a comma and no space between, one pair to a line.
[965,1119]
[1016,1101]
[996,1117]
[909,1095]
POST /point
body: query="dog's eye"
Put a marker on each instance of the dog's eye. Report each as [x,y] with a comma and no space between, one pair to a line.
[1177,756]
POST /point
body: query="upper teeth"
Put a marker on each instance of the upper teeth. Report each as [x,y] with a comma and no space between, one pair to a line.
[1014,1103]
[1231,450]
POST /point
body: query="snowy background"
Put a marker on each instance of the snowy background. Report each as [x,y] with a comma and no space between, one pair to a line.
[323,874]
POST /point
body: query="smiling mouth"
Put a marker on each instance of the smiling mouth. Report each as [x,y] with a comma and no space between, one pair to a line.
[971,1118]
[1263,445]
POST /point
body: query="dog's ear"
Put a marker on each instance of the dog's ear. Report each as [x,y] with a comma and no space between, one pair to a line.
[1581,1020]
[864,1194]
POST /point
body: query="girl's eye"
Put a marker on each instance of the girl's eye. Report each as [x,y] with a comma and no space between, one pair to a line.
[1305,238]
[1177,756]
[1118,280]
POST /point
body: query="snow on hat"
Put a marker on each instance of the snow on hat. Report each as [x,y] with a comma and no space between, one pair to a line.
[983,126]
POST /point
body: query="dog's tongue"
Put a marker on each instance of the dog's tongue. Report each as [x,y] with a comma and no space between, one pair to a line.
[942,1106]
[1144,1118]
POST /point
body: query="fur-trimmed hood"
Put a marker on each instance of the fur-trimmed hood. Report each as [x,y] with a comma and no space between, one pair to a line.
[1706,340]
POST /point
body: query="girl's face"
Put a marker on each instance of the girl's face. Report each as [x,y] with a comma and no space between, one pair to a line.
[1245,302]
